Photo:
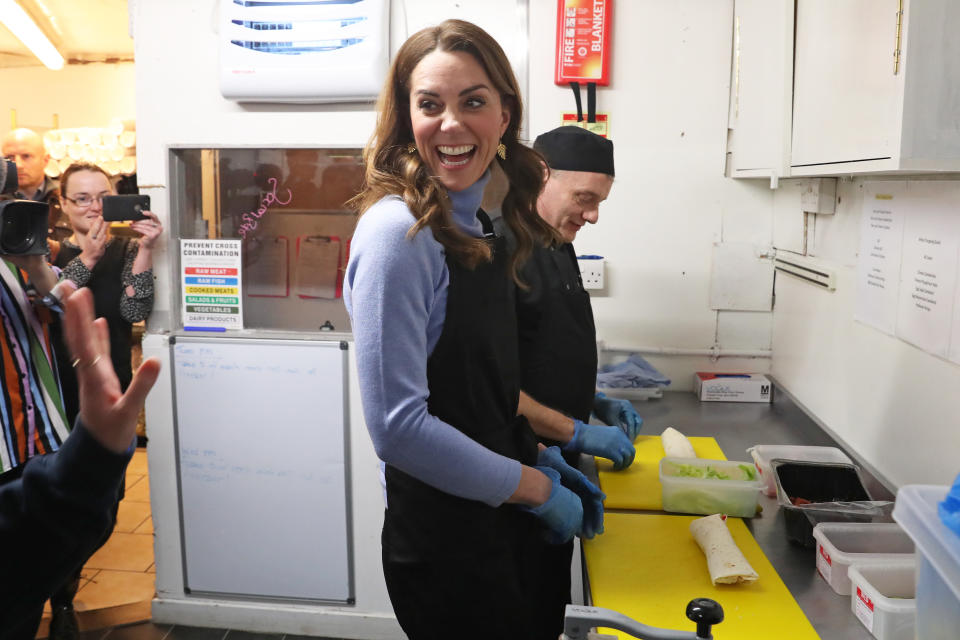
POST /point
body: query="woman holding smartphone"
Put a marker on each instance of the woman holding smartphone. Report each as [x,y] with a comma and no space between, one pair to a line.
[119,273]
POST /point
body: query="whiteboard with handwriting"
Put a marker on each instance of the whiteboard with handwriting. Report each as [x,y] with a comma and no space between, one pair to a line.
[262,447]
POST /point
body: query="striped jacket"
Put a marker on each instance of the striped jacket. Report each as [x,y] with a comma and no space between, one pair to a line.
[31,409]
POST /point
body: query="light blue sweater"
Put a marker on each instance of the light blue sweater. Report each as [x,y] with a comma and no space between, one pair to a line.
[395,290]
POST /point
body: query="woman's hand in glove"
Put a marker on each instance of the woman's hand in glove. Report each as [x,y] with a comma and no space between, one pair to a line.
[562,513]
[590,495]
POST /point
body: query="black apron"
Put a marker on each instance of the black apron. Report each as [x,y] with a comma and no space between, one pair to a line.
[558,340]
[456,567]
[107,287]
[558,359]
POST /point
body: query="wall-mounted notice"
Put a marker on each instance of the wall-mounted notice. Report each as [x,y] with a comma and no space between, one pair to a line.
[878,265]
[928,274]
[210,278]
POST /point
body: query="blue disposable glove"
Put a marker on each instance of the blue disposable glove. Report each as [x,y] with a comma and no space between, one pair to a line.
[590,495]
[562,513]
[606,442]
[618,412]
[949,509]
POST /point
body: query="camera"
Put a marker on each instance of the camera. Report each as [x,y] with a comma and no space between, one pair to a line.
[23,223]
[8,176]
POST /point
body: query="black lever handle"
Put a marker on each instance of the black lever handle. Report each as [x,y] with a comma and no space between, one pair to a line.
[706,613]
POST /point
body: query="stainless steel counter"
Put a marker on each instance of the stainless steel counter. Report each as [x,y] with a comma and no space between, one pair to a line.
[737,426]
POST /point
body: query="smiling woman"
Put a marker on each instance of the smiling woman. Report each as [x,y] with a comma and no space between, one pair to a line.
[457,117]
[467,504]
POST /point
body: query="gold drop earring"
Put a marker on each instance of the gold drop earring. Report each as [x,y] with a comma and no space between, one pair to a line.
[411,148]
[502,151]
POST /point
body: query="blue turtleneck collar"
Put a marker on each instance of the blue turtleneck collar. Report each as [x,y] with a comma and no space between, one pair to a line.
[465,205]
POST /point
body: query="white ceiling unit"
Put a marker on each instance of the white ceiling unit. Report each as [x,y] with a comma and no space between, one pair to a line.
[303,50]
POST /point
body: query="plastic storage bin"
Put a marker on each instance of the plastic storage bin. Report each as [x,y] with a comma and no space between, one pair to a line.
[763,453]
[938,561]
[825,483]
[697,485]
[883,598]
[841,544]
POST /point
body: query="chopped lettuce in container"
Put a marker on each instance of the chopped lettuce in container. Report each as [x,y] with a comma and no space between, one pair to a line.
[695,471]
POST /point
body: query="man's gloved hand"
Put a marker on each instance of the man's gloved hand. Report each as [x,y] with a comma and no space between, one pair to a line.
[590,495]
[562,513]
[618,412]
[606,442]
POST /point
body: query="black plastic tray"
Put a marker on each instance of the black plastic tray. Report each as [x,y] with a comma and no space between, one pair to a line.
[818,482]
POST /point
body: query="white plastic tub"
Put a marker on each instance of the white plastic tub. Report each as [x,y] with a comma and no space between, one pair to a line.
[724,486]
[763,453]
[938,561]
[883,598]
[841,544]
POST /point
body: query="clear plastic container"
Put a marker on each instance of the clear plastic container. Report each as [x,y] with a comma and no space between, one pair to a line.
[701,486]
[938,561]
[883,598]
[841,544]
[763,453]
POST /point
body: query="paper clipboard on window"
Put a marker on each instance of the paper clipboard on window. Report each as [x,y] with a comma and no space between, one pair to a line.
[268,276]
[318,267]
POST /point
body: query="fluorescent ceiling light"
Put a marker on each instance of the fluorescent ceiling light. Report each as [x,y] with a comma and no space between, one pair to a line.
[27,31]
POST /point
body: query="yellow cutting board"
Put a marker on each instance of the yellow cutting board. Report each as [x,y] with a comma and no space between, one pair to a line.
[638,486]
[648,567]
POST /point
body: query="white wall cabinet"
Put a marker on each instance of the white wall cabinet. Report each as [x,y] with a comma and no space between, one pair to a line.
[816,88]
[857,108]
[761,77]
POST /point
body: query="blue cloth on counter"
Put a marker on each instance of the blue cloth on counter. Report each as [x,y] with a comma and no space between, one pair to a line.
[634,372]
[950,508]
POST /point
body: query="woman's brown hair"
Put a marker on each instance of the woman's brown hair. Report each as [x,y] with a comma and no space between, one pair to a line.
[77,167]
[392,170]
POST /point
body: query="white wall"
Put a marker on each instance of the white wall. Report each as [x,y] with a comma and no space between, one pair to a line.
[893,404]
[82,95]
[668,102]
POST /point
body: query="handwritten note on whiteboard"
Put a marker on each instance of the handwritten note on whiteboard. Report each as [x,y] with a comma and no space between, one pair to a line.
[878,264]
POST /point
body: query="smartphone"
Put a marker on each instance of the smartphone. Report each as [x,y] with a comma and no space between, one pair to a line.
[125,207]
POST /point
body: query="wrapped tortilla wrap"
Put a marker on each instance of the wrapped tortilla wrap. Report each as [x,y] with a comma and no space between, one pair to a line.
[676,445]
[725,561]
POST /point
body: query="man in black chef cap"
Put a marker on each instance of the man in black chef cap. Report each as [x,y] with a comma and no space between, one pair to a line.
[558,351]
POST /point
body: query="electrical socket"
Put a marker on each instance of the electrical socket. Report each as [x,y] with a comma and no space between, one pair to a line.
[591,272]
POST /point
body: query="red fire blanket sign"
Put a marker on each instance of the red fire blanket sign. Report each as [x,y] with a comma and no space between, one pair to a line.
[583,41]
